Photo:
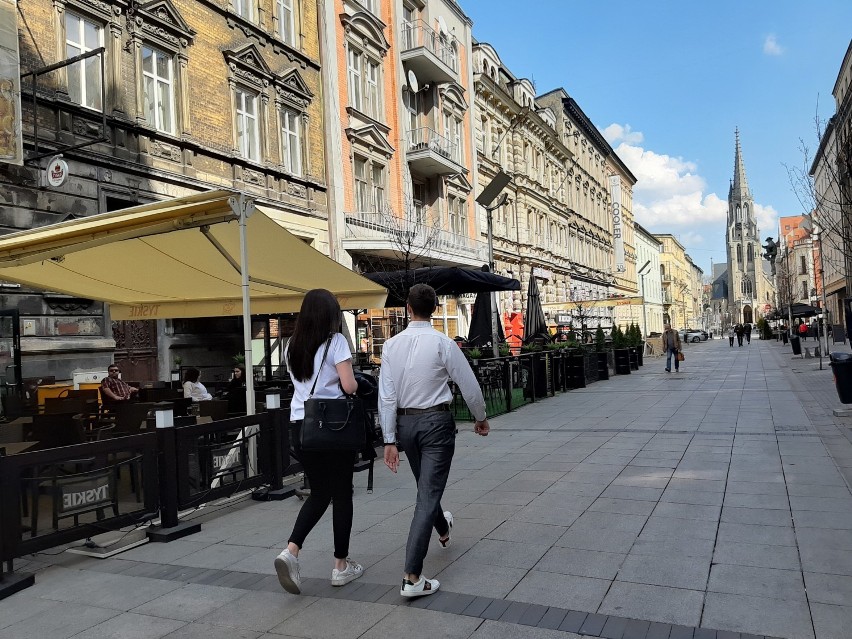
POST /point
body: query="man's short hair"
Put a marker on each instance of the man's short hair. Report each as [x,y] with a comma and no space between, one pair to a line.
[423,300]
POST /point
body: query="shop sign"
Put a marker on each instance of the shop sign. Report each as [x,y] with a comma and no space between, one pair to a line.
[56,172]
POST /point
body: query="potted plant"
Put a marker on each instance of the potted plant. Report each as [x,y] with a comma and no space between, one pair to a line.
[504,350]
[175,373]
[620,351]
[537,366]
[474,354]
[630,341]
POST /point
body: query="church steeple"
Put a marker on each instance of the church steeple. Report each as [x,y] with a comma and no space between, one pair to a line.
[739,186]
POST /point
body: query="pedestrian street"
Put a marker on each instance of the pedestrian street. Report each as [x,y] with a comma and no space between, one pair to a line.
[709,503]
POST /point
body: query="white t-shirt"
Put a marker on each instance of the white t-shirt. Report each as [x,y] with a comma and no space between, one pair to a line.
[328,383]
[196,391]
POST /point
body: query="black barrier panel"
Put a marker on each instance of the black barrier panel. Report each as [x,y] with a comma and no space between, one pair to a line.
[221,458]
[59,495]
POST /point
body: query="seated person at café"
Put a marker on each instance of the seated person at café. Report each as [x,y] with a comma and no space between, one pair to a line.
[113,389]
[238,380]
[194,389]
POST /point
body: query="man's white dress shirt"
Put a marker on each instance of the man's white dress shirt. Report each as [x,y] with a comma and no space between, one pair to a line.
[416,366]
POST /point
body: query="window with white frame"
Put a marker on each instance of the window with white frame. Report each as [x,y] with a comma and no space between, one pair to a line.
[364,81]
[286,21]
[248,137]
[291,140]
[158,88]
[371,5]
[458,215]
[412,108]
[244,9]
[84,77]
[362,185]
[377,174]
[453,132]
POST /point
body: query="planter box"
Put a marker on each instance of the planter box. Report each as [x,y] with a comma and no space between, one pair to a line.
[603,364]
[634,358]
[576,370]
[591,366]
[641,353]
[622,361]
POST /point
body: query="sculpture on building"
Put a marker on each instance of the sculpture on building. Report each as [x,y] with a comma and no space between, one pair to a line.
[770,252]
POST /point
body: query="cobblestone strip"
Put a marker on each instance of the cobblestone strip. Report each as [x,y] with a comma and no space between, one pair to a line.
[504,610]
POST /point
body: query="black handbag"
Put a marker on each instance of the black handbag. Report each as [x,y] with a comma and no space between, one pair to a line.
[333,424]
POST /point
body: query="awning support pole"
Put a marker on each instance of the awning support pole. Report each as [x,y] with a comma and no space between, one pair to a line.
[243,209]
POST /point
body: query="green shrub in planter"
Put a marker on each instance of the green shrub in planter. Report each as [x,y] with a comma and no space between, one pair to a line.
[474,353]
[504,349]
[600,340]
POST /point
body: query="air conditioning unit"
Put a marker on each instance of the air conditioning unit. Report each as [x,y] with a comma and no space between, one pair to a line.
[87,377]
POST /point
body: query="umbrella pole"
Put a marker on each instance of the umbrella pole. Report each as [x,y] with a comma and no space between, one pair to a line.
[244,210]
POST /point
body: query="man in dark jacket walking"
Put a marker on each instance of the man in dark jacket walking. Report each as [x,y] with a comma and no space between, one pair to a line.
[740,332]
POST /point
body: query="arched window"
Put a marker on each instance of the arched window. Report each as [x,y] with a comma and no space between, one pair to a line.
[750,253]
[739,252]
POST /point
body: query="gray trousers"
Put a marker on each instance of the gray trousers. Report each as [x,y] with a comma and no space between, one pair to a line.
[429,441]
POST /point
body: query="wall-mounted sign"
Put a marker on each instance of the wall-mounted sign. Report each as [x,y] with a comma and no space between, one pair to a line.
[56,172]
[617,223]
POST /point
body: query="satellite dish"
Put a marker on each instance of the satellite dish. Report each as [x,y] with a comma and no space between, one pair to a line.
[442,25]
[412,81]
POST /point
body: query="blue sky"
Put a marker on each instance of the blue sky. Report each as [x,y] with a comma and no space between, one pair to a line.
[668,82]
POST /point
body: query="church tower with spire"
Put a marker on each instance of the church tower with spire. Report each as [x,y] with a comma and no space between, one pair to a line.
[745,262]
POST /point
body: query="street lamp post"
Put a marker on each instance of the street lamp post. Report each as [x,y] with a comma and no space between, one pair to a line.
[644,309]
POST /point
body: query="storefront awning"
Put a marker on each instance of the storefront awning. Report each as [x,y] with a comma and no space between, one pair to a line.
[179,258]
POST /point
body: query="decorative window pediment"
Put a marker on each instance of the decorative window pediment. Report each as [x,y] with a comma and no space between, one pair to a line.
[372,138]
[293,91]
[460,183]
[247,65]
[454,93]
[369,28]
[162,23]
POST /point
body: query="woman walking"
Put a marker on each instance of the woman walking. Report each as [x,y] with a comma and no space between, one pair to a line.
[731,336]
[329,473]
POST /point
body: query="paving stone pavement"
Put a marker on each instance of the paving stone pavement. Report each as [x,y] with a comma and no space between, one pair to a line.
[713,503]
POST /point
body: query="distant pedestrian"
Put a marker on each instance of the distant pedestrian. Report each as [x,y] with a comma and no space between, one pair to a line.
[748,333]
[803,331]
[671,343]
[414,406]
[740,333]
[320,366]
[731,336]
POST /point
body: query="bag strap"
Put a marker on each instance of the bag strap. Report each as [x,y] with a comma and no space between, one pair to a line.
[322,361]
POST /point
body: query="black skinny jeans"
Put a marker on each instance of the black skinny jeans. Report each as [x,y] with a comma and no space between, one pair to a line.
[330,478]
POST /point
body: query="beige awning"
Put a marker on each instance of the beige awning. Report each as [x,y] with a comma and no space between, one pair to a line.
[179,258]
[609,302]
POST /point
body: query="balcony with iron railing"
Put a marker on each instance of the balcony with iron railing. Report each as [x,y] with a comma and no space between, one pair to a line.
[418,235]
[431,55]
[430,153]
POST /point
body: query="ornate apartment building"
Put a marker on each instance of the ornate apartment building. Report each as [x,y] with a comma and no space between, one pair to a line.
[557,224]
[400,144]
[187,95]
[648,250]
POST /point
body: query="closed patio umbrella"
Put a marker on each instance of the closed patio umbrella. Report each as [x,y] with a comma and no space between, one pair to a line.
[535,324]
[480,322]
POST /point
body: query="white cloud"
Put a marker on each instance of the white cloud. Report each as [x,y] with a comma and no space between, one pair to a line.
[771,46]
[671,196]
[616,133]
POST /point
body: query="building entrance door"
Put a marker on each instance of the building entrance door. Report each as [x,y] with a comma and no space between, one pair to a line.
[136,349]
[748,317]
[10,362]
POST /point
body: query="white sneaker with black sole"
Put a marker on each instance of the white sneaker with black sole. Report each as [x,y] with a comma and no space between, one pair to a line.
[350,573]
[420,589]
[287,567]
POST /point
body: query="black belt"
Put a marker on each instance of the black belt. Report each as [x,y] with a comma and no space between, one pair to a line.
[438,408]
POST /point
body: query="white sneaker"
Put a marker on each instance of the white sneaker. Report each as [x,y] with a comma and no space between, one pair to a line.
[419,589]
[445,543]
[350,573]
[287,567]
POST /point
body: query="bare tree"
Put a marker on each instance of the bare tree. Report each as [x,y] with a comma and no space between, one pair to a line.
[823,186]
[412,237]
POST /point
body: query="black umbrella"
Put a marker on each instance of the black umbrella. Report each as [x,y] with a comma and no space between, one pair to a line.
[449,280]
[480,322]
[803,310]
[535,325]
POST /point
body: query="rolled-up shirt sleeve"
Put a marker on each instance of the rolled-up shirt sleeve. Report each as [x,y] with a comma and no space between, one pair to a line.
[462,374]
[387,400]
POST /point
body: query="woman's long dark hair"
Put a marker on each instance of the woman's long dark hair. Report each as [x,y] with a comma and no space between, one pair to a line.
[318,318]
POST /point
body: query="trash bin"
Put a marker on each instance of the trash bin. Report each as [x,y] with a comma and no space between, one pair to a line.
[841,366]
[796,343]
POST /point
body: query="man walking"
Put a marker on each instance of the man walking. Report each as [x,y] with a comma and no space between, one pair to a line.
[671,342]
[740,331]
[414,407]
[748,333]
